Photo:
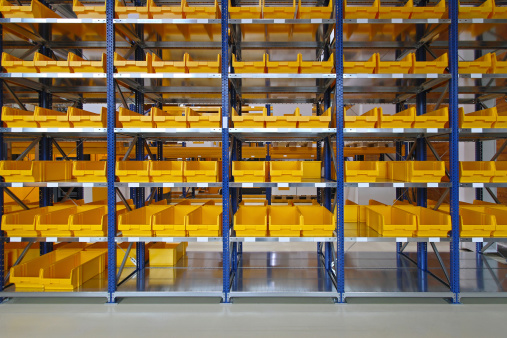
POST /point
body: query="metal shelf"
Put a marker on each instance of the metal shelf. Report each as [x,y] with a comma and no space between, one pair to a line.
[483,185]
[58,132]
[281,134]
[168,239]
[482,134]
[395,184]
[55,239]
[62,184]
[304,184]
[394,133]
[183,134]
[168,185]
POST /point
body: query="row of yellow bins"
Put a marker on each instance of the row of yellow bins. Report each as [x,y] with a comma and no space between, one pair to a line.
[375,118]
[181,220]
[404,171]
[284,221]
[486,64]
[486,118]
[257,117]
[153,64]
[173,117]
[483,171]
[279,171]
[48,118]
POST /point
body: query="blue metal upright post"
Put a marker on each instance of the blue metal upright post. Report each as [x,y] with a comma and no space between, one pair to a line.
[111,154]
[160,157]
[80,157]
[454,148]
[2,258]
[225,151]
[268,158]
[340,252]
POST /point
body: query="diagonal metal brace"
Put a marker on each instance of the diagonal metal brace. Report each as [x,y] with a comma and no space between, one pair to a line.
[148,150]
[60,150]
[129,150]
[499,151]
[20,258]
[27,150]
[124,261]
[16,199]
[14,96]
[118,192]
[441,262]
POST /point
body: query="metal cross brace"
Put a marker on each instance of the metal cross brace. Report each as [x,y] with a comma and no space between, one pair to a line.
[27,150]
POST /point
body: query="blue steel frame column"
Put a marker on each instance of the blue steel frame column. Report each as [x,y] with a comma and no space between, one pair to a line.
[454,148]
[2,258]
[340,253]
[225,151]
[160,157]
[111,154]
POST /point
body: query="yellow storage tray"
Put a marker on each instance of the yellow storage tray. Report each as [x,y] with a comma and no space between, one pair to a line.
[202,66]
[204,117]
[56,222]
[290,67]
[138,223]
[483,11]
[245,12]
[285,121]
[169,117]
[201,171]
[321,121]
[285,221]
[430,223]
[22,223]
[500,172]
[132,257]
[476,171]
[91,223]
[436,66]
[404,66]
[165,12]
[499,12]
[427,12]
[13,64]
[201,12]
[362,171]
[483,65]
[251,221]
[388,12]
[499,66]
[241,67]
[18,118]
[171,221]
[361,67]
[317,221]
[403,119]
[160,66]
[475,223]
[12,251]
[485,118]
[286,171]
[390,221]
[205,221]
[500,221]
[277,12]
[361,12]
[130,66]
[85,119]
[317,67]
[89,171]
[131,12]
[72,271]
[251,117]
[48,65]
[80,65]
[367,120]
[34,11]
[131,119]
[425,171]
[166,254]
[433,119]
[35,171]
[27,275]
[166,171]
[92,12]
[133,171]
[249,171]
[311,12]
[48,118]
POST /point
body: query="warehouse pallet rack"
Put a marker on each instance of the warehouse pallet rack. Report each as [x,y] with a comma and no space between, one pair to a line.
[329,272]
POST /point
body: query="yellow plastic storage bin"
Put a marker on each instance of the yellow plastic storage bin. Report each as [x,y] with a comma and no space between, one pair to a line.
[317,67]
[85,119]
[165,12]
[92,12]
[130,66]
[403,119]
[367,120]
[436,66]
[294,171]
[12,252]
[501,119]
[89,171]
[427,12]
[166,254]
[204,117]
[404,66]
[48,65]
[433,119]
[499,66]
[500,172]
[483,65]
[277,12]
[22,223]
[285,221]
[80,65]
[500,221]
[475,223]
[483,11]
[476,171]
[138,223]
[201,12]
[48,118]
[13,64]
[121,250]
[317,221]
[361,12]
[203,66]
[285,121]
[241,67]
[205,221]
[399,12]
[249,171]
[362,171]
[251,117]
[290,67]
[251,221]
[201,171]
[166,171]
[55,223]
[321,121]
[417,171]
[34,11]
[35,171]
[131,12]
[390,221]
[311,12]
[131,119]
[18,118]
[160,66]
[92,223]
[485,118]
[133,171]
[170,117]
[245,12]
[361,67]
[171,221]
[430,223]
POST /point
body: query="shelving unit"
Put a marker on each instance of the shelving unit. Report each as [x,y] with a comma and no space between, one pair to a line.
[234,273]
